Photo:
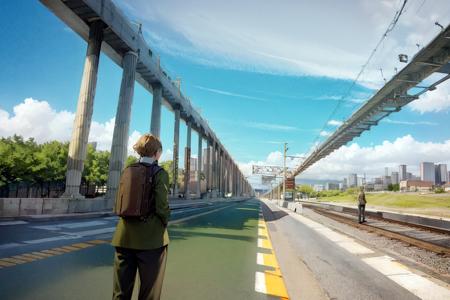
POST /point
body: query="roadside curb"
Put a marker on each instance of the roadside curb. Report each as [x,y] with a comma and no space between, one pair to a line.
[107,213]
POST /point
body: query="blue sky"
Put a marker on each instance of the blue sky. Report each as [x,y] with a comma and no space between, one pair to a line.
[258,87]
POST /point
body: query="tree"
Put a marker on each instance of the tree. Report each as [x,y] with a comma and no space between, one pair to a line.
[168,166]
[17,158]
[50,162]
[305,189]
[96,166]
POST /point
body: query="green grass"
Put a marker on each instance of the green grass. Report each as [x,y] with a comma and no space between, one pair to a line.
[396,200]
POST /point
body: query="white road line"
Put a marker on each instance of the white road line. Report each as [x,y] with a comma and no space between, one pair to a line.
[9,245]
[70,225]
[12,223]
[260,259]
[260,282]
[260,243]
[91,232]
[198,215]
[51,239]
[418,285]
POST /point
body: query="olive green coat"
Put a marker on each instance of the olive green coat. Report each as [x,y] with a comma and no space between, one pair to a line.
[152,234]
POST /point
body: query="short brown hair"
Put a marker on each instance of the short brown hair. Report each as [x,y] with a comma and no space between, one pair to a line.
[147,145]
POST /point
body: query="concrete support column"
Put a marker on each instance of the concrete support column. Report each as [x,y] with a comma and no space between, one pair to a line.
[176,141]
[119,147]
[187,162]
[208,168]
[83,117]
[155,123]
[199,166]
[214,169]
[219,173]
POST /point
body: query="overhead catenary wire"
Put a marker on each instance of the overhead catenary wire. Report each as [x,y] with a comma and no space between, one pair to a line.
[390,27]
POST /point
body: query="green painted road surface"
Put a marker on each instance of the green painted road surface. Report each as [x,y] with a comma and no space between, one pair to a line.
[212,256]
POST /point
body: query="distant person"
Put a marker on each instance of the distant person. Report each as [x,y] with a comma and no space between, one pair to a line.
[141,240]
[362,206]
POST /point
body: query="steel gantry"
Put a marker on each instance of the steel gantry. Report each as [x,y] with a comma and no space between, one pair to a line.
[105,28]
[406,86]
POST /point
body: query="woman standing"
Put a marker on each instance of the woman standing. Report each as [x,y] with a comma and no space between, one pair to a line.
[141,244]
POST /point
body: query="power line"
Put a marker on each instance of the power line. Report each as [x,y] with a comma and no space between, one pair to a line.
[391,26]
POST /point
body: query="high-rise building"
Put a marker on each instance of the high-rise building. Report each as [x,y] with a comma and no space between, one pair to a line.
[441,174]
[395,178]
[402,172]
[194,164]
[428,172]
[387,180]
[352,180]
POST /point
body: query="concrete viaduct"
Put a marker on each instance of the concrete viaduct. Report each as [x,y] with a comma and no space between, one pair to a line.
[105,28]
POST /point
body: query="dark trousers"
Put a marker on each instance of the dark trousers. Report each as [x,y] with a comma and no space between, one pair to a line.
[361,213]
[151,265]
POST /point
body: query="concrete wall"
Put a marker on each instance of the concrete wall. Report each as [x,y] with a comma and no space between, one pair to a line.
[13,207]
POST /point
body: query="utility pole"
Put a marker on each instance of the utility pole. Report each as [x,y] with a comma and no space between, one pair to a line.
[284,170]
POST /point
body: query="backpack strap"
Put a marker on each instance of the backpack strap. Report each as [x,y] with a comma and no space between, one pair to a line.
[152,170]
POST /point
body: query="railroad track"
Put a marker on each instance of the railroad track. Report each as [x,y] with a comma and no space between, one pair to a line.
[426,238]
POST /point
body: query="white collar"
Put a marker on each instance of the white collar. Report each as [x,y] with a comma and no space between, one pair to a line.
[146,159]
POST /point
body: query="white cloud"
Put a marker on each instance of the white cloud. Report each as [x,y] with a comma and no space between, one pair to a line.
[227,93]
[37,119]
[433,101]
[325,133]
[388,120]
[296,37]
[369,160]
[335,123]
[270,126]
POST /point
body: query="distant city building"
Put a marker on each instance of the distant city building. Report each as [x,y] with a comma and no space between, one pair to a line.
[352,180]
[378,180]
[415,186]
[386,180]
[448,176]
[395,178]
[194,164]
[318,187]
[428,172]
[402,172]
[409,176]
[331,186]
[345,184]
[441,174]
[360,181]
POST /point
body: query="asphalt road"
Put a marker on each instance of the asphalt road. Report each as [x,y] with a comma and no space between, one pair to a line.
[211,256]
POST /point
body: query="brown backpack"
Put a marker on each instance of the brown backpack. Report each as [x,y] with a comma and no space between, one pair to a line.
[135,196]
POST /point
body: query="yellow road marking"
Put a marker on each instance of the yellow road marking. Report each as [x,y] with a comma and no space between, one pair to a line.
[265,243]
[51,252]
[70,248]
[98,242]
[81,245]
[275,285]
[43,255]
[31,256]
[6,264]
[272,280]
[61,250]
[13,260]
[24,258]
